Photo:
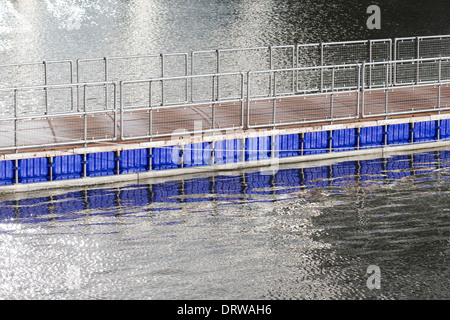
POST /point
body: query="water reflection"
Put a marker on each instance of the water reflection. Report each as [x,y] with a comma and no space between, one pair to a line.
[301,233]
[224,189]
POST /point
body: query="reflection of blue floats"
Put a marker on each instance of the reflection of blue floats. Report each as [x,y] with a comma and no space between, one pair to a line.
[66,206]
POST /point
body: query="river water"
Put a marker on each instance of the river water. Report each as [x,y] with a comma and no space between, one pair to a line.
[297,233]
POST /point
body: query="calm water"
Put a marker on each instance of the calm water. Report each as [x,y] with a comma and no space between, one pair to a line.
[300,233]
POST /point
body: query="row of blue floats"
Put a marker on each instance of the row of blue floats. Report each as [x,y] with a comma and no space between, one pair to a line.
[225,188]
[228,151]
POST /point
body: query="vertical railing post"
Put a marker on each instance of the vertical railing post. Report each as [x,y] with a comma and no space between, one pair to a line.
[242,100]
[192,78]
[363,84]
[274,110]
[386,91]
[85,114]
[248,99]
[270,68]
[72,91]
[122,98]
[150,111]
[371,66]
[46,83]
[106,79]
[115,110]
[162,81]
[321,65]
[218,70]
[16,112]
[213,99]
[417,57]
[439,85]
[395,63]
[358,89]
[332,93]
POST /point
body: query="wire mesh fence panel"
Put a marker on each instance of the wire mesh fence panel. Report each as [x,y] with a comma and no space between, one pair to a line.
[174,91]
[377,75]
[7,134]
[91,70]
[229,86]
[174,120]
[428,71]
[345,105]
[283,57]
[445,70]
[96,97]
[402,100]
[21,75]
[444,96]
[58,130]
[405,48]
[228,115]
[284,82]
[141,94]
[31,102]
[345,78]
[175,65]
[59,72]
[101,126]
[380,50]
[374,103]
[345,53]
[242,60]
[308,55]
[260,84]
[405,72]
[6,104]
[203,62]
[309,80]
[203,88]
[430,47]
[134,68]
[60,100]
[260,112]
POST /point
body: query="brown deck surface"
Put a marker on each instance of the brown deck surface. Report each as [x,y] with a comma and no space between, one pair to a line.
[289,112]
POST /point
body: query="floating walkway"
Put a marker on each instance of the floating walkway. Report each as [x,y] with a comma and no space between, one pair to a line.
[93,121]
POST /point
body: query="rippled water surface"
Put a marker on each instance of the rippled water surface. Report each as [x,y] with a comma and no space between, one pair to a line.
[296,233]
[301,233]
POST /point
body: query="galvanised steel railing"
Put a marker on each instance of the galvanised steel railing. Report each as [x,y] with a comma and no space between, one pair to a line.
[123,68]
[28,120]
[93,112]
[156,107]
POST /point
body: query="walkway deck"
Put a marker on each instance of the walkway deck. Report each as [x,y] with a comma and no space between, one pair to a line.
[300,110]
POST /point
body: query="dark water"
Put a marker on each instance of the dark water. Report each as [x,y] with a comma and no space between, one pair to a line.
[296,233]
[55,29]
[300,233]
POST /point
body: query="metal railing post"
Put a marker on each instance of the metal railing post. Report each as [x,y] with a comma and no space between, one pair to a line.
[274,99]
[331,95]
[417,57]
[248,99]
[122,98]
[150,116]
[363,84]
[45,88]
[439,84]
[321,64]
[16,112]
